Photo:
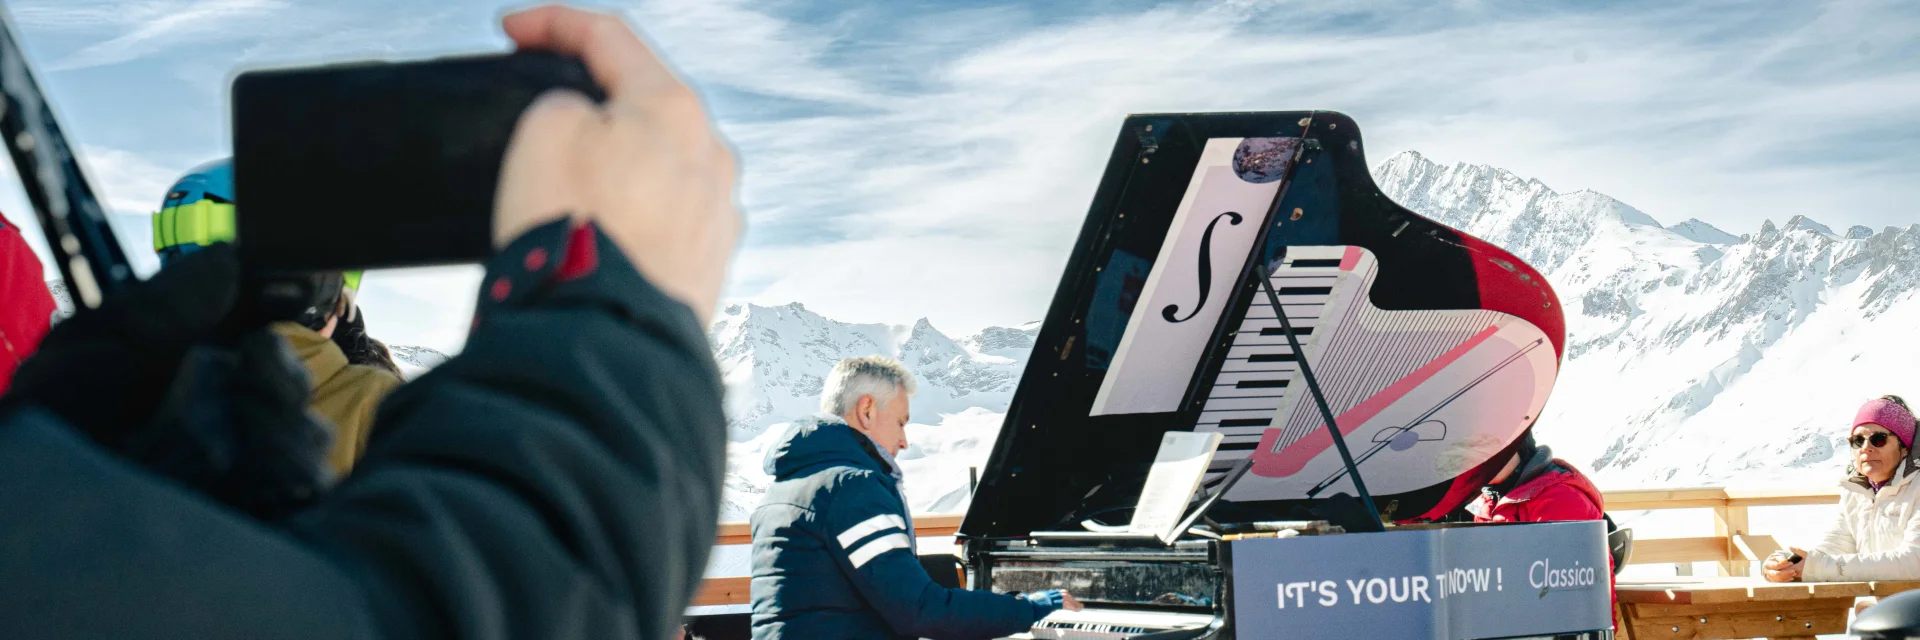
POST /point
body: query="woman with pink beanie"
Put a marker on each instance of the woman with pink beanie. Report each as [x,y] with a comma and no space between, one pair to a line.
[1876,536]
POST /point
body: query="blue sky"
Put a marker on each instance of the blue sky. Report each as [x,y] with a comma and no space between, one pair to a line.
[907,159]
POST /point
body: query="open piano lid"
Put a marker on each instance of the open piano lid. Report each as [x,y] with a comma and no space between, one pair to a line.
[1159,324]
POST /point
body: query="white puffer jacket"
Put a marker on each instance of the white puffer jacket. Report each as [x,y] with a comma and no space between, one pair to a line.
[1876,537]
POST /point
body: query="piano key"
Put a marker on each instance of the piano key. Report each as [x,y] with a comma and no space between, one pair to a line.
[1237,446]
[1248,352]
[1301,307]
[1292,279]
[1287,293]
[1243,431]
[1234,379]
[1251,389]
[1244,366]
[1313,263]
[1267,403]
[1271,325]
[1242,421]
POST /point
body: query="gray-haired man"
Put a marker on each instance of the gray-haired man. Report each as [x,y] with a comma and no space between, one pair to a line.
[833,551]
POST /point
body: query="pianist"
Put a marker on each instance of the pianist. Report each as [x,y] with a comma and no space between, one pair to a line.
[833,547]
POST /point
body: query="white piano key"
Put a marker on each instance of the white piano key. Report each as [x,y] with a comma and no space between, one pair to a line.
[1300,307]
[1231,419]
[1241,404]
[1233,378]
[1237,351]
[1244,366]
[1304,278]
[1231,433]
[1271,326]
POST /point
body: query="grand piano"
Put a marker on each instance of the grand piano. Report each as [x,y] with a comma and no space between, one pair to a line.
[1241,274]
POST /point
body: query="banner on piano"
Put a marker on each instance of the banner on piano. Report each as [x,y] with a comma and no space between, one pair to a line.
[1458,583]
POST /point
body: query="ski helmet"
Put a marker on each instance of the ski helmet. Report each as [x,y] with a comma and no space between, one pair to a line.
[198,211]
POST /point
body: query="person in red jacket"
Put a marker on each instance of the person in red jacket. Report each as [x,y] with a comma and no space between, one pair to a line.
[26,307]
[1534,486]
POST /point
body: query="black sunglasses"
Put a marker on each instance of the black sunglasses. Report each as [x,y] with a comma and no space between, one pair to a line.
[1878,440]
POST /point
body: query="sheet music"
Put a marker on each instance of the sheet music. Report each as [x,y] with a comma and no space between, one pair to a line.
[1176,473]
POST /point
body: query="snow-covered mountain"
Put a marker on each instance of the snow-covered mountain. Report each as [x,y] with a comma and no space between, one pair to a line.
[775,360]
[1695,356]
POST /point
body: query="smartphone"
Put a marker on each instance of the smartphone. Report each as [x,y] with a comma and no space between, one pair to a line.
[379,164]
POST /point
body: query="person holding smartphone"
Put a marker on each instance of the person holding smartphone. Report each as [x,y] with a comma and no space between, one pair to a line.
[559,479]
[1876,535]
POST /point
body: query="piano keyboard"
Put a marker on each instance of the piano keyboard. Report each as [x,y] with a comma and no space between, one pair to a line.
[1102,624]
[1259,373]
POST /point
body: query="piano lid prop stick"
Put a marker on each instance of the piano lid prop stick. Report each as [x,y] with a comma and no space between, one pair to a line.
[1313,387]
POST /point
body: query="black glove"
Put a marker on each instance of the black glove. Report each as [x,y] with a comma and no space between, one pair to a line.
[350,334]
[143,376]
[104,371]
[235,426]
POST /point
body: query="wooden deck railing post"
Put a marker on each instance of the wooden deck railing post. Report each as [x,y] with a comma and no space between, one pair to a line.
[1729,521]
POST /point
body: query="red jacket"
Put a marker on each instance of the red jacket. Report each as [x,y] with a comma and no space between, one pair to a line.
[26,307]
[1556,494]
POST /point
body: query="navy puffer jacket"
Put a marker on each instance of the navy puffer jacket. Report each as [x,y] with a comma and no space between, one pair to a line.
[833,552]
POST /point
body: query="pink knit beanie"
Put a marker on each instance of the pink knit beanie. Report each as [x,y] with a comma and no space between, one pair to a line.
[1888,414]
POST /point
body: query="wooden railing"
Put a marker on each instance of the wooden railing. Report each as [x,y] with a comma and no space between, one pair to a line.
[1733,544]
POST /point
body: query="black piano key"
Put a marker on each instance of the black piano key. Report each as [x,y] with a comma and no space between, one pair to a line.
[1260,384]
[1271,357]
[1305,291]
[1238,446]
[1279,331]
[1246,422]
[1310,264]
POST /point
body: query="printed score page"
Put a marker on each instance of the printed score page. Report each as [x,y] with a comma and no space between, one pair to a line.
[1176,473]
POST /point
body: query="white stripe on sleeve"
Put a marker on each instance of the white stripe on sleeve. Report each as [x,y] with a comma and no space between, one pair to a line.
[869,527]
[880,545]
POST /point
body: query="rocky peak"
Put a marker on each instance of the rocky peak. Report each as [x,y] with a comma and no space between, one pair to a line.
[1698,230]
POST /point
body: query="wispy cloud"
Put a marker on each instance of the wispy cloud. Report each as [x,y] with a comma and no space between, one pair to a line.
[151,27]
[1729,113]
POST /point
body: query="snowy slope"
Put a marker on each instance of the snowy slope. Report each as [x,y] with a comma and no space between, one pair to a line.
[1695,356]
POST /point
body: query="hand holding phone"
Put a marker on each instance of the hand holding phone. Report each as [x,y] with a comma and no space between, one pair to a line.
[646,165]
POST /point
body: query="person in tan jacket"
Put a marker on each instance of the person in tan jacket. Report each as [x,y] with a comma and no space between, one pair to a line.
[345,394]
[198,211]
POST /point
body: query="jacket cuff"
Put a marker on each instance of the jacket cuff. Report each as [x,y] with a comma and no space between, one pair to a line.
[568,264]
[1040,610]
[1817,567]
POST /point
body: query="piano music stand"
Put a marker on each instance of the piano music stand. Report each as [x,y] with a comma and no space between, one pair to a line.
[1207,503]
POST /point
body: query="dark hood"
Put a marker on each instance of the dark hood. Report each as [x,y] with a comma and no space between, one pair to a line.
[815,443]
